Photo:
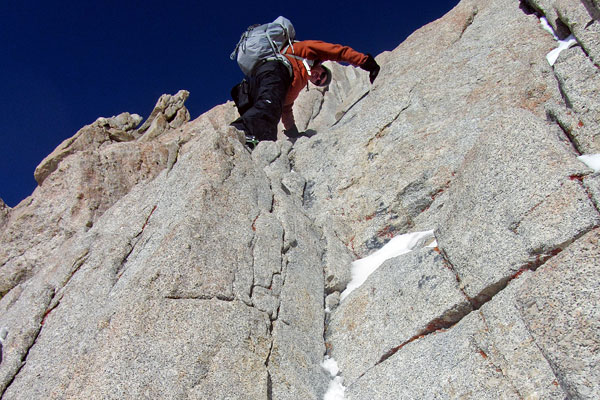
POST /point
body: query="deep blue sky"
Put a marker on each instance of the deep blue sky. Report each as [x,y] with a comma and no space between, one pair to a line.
[64,64]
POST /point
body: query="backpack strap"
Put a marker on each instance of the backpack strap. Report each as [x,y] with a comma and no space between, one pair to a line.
[284,61]
[306,62]
[279,55]
[289,46]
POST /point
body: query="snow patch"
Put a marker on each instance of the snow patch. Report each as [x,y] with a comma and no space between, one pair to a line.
[331,366]
[562,44]
[336,388]
[546,25]
[591,160]
[361,269]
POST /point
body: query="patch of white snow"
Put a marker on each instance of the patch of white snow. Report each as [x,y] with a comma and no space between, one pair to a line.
[361,269]
[336,388]
[591,160]
[562,44]
[331,366]
[546,25]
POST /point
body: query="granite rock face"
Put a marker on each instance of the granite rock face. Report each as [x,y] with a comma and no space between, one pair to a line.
[577,69]
[489,354]
[165,260]
[560,307]
[4,209]
[513,213]
[175,251]
[403,299]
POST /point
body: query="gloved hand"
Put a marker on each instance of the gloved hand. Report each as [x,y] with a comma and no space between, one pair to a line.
[292,132]
[371,66]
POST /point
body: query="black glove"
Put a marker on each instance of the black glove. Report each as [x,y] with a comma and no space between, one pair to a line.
[292,132]
[371,66]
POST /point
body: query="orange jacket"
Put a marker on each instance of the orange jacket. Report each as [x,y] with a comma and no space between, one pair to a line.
[313,50]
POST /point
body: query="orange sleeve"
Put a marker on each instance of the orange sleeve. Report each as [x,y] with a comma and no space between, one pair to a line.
[313,50]
[318,50]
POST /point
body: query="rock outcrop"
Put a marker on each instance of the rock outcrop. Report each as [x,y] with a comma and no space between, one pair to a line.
[168,261]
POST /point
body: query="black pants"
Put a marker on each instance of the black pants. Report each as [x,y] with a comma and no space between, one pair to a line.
[260,100]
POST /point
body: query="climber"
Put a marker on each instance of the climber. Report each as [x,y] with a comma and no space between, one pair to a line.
[270,91]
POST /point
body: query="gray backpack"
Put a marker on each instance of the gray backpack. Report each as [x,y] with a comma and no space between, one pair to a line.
[264,42]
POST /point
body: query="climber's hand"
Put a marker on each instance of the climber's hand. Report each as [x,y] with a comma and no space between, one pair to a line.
[371,66]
